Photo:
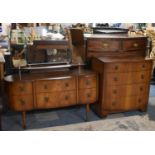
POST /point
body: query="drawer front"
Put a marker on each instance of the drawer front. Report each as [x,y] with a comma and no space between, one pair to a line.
[127,90]
[127,78]
[89,81]
[134,44]
[103,45]
[21,103]
[55,85]
[87,96]
[125,103]
[56,99]
[20,88]
[128,67]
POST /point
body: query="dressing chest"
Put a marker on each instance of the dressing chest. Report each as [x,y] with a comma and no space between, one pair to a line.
[124,84]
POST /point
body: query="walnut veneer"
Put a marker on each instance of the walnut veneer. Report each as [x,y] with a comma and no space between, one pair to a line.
[123,84]
[116,46]
[51,90]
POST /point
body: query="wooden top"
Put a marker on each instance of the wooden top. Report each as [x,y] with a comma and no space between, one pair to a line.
[114,59]
[51,42]
[53,75]
[112,36]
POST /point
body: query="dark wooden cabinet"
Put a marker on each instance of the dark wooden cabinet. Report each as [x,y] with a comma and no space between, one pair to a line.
[116,46]
[123,84]
[51,90]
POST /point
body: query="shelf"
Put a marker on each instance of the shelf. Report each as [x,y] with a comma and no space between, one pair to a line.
[50,67]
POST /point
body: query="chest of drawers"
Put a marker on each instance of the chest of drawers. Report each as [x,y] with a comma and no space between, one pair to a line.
[115,46]
[124,84]
[51,90]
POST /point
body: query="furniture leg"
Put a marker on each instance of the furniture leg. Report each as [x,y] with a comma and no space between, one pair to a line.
[104,114]
[24,119]
[0,122]
[87,111]
[143,109]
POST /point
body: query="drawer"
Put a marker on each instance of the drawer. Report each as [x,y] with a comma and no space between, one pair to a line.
[128,67]
[125,103]
[134,44]
[87,96]
[21,103]
[55,85]
[88,81]
[20,88]
[103,45]
[127,78]
[127,90]
[56,99]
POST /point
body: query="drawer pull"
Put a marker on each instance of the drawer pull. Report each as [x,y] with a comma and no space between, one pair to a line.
[116,67]
[114,103]
[22,101]
[22,88]
[141,89]
[139,100]
[46,99]
[87,82]
[66,84]
[135,45]
[88,95]
[105,45]
[142,76]
[143,66]
[45,86]
[115,79]
[66,97]
[115,91]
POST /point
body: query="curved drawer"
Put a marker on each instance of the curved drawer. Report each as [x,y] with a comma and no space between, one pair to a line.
[55,99]
[20,88]
[127,78]
[55,85]
[125,103]
[128,66]
[87,96]
[21,103]
[127,90]
[88,81]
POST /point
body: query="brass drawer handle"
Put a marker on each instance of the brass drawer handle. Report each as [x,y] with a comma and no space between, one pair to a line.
[116,68]
[114,91]
[139,100]
[22,101]
[87,82]
[142,76]
[114,103]
[66,97]
[115,79]
[46,99]
[105,45]
[66,84]
[141,89]
[45,86]
[135,45]
[22,88]
[88,95]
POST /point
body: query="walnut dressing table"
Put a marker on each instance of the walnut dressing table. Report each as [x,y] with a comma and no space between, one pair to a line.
[51,90]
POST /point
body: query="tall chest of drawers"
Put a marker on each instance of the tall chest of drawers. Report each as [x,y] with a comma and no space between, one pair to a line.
[123,84]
